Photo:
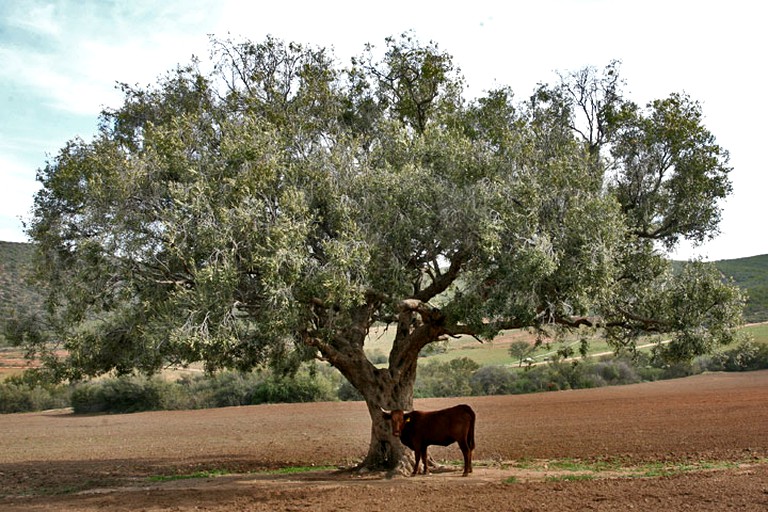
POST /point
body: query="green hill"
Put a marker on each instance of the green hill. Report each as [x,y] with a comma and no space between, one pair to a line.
[751,274]
[14,291]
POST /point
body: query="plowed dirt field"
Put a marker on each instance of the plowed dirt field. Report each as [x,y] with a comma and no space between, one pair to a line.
[699,444]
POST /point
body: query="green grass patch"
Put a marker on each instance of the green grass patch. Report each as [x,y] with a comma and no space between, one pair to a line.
[213,473]
[292,470]
[661,469]
[759,332]
[576,465]
[188,476]
[569,470]
[570,478]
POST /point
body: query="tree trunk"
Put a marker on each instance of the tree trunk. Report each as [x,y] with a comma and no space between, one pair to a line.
[385,451]
[384,389]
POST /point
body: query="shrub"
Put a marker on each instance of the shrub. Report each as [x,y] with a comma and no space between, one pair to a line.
[120,395]
[615,372]
[570,375]
[443,379]
[746,356]
[348,393]
[492,380]
[299,388]
[16,395]
[377,357]
[232,388]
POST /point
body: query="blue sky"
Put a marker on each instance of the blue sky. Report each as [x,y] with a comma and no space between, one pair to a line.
[60,60]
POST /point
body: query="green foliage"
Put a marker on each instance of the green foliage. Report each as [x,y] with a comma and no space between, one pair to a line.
[16,294]
[436,379]
[457,377]
[669,141]
[519,350]
[745,356]
[492,380]
[18,394]
[229,388]
[271,210]
[750,274]
[348,393]
[288,390]
[121,395]
[613,372]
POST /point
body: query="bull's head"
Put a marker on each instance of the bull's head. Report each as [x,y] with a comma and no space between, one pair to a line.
[398,419]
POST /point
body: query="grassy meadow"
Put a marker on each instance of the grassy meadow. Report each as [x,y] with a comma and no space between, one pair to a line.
[496,352]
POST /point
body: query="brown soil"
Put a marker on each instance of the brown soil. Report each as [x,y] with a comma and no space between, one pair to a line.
[699,443]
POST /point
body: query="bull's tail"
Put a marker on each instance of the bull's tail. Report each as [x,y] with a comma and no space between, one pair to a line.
[471,433]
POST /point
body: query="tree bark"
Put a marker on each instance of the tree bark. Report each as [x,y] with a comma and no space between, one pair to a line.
[385,451]
[384,388]
[392,388]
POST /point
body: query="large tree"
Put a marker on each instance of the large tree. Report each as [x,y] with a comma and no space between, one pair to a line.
[277,207]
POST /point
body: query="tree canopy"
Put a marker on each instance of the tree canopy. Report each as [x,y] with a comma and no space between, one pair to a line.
[275,208]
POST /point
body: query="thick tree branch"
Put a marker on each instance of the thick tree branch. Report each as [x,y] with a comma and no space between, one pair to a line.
[441,282]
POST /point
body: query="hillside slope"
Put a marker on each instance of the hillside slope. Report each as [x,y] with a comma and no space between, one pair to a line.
[14,291]
[751,274]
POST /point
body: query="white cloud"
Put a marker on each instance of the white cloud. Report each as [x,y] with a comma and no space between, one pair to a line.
[70,53]
[85,52]
[40,19]
[16,196]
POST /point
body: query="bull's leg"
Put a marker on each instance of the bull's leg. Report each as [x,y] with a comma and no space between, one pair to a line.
[468,458]
[467,452]
[417,454]
[424,460]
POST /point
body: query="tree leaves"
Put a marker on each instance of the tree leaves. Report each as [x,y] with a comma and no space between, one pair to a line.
[671,174]
[276,207]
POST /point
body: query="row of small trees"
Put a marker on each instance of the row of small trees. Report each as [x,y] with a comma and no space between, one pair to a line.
[457,377]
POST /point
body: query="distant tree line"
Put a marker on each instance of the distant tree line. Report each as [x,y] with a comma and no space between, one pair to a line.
[317,383]
[750,274]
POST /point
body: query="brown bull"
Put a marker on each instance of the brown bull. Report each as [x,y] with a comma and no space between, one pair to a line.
[418,429]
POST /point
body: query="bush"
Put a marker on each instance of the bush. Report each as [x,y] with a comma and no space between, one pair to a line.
[120,395]
[458,377]
[746,356]
[492,380]
[16,395]
[438,379]
[290,390]
[230,389]
[378,357]
[570,375]
[348,393]
[533,380]
[615,372]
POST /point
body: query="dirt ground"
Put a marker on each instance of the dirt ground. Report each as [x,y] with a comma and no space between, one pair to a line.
[699,443]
